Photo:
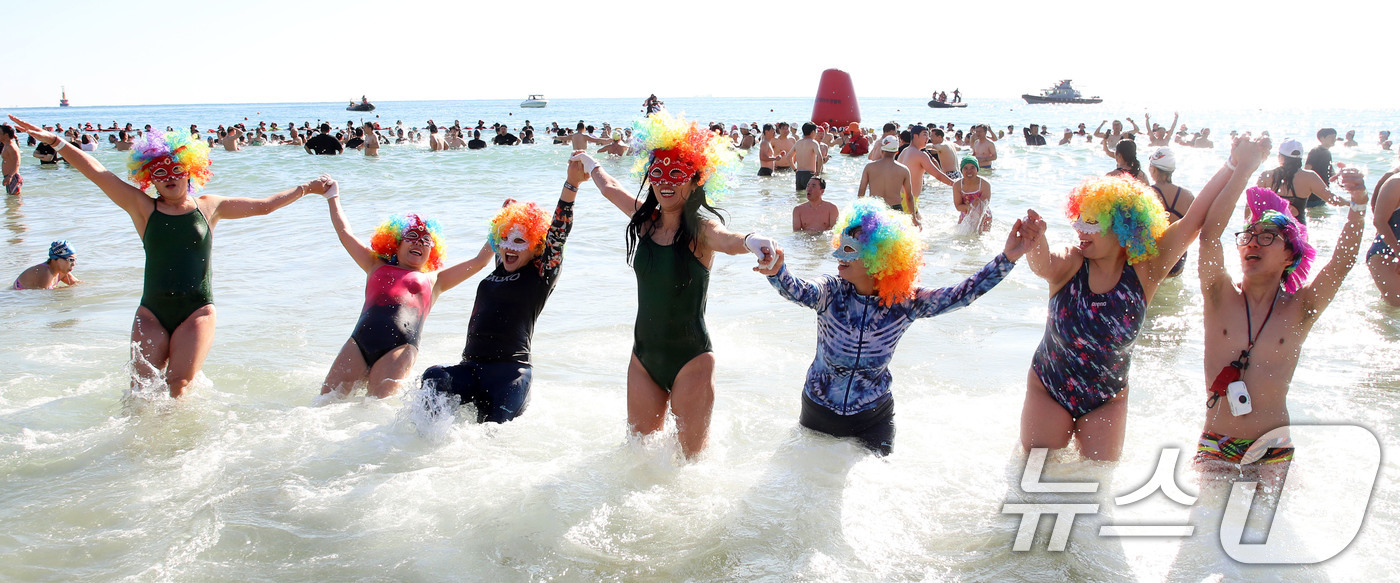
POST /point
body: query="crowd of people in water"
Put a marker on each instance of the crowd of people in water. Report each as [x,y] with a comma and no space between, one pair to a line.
[1134,228]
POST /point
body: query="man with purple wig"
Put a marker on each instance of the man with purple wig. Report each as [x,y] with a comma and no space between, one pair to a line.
[1255,329]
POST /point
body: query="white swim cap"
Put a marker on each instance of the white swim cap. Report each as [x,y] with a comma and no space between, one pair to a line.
[1163,159]
[889,144]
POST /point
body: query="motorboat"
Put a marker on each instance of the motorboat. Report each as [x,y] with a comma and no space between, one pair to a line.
[363,105]
[936,104]
[535,102]
[1061,93]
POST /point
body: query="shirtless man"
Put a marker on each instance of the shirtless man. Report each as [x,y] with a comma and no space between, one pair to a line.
[983,148]
[371,144]
[580,139]
[946,157]
[917,161]
[616,148]
[1117,134]
[889,179]
[57,269]
[1262,322]
[815,215]
[746,139]
[9,160]
[1069,135]
[230,140]
[435,141]
[890,129]
[785,145]
[767,154]
[807,154]
[454,139]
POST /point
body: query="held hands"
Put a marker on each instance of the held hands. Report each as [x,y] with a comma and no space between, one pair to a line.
[324,186]
[1024,235]
[1248,153]
[587,161]
[579,170]
[1355,182]
[775,268]
[764,248]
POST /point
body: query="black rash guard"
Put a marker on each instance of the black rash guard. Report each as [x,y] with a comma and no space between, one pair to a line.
[507,304]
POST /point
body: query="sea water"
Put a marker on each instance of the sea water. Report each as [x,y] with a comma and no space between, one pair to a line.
[247,479]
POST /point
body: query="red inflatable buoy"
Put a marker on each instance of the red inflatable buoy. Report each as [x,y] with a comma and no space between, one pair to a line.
[836,99]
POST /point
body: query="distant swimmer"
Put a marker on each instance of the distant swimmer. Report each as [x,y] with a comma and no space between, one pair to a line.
[1383,257]
[889,129]
[616,147]
[1117,133]
[1255,329]
[786,147]
[1161,165]
[942,154]
[436,143]
[919,163]
[496,370]
[807,155]
[404,265]
[1125,154]
[889,180]
[1077,387]
[972,196]
[504,138]
[767,155]
[58,268]
[371,144]
[983,148]
[323,144]
[864,311]
[816,214]
[231,139]
[1068,137]
[476,143]
[174,325]
[579,140]
[672,247]
[746,138]
[9,161]
[1160,136]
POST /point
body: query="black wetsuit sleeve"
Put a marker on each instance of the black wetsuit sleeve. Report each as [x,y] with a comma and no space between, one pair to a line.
[553,255]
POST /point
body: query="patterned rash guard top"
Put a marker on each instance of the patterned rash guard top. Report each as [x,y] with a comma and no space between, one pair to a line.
[856,336]
[1083,359]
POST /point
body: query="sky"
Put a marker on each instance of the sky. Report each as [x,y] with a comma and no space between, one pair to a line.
[1274,54]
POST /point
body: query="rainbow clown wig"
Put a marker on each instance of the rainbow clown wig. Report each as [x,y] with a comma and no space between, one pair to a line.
[1265,206]
[671,148]
[889,246]
[528,218]
[157,156]
[1124,207]
[392,232]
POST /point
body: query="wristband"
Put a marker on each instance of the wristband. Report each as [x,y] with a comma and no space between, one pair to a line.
[1359,208]
[1230,163]
[570,187]
[59,144]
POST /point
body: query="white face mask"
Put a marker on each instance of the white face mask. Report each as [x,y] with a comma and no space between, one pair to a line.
[509,243]
[1088,228]
[849,250]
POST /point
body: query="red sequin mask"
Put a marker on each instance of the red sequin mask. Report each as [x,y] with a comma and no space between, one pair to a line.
[667,169]
[165,168]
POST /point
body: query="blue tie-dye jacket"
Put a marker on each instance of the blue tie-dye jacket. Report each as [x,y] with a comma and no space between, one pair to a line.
[856,336]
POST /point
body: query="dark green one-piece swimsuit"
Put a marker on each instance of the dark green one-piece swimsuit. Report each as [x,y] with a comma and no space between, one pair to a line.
[670,329]
[178,269]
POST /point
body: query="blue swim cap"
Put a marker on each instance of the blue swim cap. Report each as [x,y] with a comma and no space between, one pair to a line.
[60,250]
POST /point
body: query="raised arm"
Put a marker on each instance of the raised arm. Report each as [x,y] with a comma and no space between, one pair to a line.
[358,250]
[623,200]
[239,207]
[1318,294]
[1054,268]
[1098,132]
[792,288]
[1136,129]
[1171,132]
[930,302]
[136,203]
[1213,206]
[563,222]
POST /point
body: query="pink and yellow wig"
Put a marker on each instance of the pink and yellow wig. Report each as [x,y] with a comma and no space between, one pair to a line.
[890,247]
[1265,206]
[528,216]
[386,239]
[1125,207]
[158,148]
[711,155]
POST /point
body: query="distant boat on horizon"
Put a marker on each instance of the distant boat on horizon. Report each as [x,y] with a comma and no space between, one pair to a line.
[63,101]
[1061,93]
[535,101]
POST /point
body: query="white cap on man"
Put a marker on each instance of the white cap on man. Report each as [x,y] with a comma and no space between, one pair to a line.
[889,144]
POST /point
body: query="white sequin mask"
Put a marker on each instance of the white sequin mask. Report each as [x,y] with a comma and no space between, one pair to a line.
[1087,228]
[509,242]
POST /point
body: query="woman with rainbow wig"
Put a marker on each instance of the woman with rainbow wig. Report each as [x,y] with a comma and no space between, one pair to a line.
[682,168]
[495,373]
[174,325]
[864,311]
[1255,328]
[404,264]
[1099,293]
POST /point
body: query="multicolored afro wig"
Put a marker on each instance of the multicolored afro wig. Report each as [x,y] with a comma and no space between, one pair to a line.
[156,154]
[890,247]
[386,239]
[1126,207]
[528,217]
[661,137]
[1265,206]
